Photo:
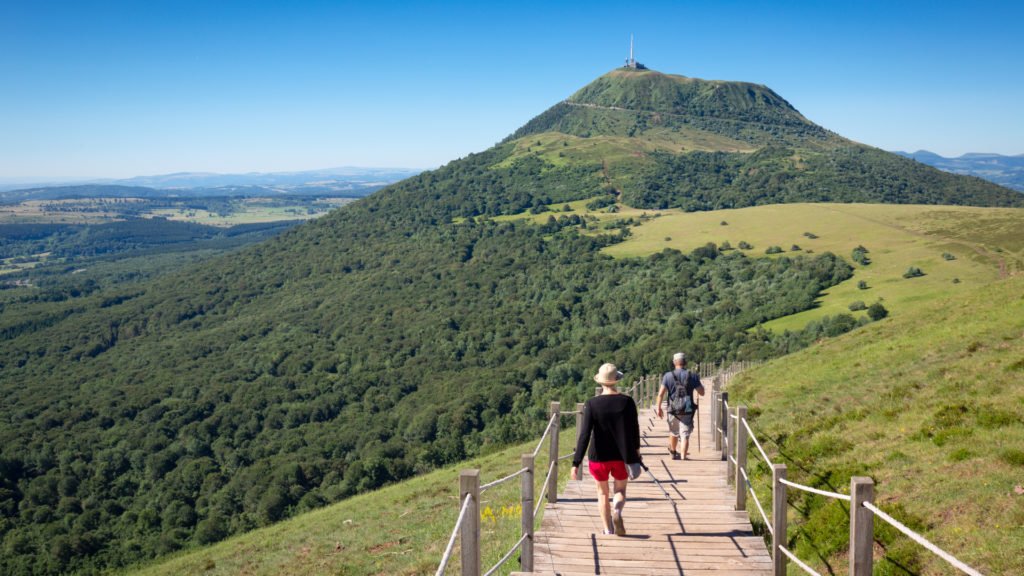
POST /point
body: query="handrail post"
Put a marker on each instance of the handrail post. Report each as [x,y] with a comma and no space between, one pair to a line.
[597,391]
[741,458]
[526,486]
[778,519]
[862,526]
[723,423]
[731,449]
[715,411]
[469,483]
[556,425]
[579,421]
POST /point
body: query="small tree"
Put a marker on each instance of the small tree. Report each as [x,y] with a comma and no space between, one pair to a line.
[876,311]
[774,250]
[860,256]
[794,248]
[857,305]
[862,285]
[724,246]
[744,245]
[913,272]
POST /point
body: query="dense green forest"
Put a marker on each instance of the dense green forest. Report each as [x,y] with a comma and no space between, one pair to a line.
[405,331]
[775,175]
[205,404]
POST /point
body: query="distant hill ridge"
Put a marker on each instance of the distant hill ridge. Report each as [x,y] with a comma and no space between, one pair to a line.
[1003,170]
[350,181]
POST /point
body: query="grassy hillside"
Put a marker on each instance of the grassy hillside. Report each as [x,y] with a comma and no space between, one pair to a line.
[986,244]
[930,403]
[401,529]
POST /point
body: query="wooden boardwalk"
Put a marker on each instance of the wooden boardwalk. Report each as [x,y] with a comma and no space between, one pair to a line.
[697,533]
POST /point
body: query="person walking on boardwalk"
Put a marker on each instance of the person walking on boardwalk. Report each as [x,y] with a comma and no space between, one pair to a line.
[612,430]
[678,385]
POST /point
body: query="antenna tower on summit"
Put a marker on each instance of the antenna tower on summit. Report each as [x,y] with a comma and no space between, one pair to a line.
[631,62]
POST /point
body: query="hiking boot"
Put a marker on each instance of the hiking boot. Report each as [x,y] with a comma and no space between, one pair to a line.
[677,456]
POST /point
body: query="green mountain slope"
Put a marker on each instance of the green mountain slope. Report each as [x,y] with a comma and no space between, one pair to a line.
[931,405]
[399,334]
[928,457]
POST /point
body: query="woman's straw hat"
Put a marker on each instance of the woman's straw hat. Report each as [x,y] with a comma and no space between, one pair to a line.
[607,374]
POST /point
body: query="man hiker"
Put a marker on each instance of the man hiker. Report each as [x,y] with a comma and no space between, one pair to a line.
[679,385]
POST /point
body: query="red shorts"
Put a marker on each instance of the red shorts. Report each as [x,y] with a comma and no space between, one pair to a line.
[600,470]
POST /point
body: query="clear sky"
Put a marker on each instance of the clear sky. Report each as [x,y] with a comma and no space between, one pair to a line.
[117,89]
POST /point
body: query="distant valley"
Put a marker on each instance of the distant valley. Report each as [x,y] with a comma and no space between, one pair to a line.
[1003,170]
[345,181]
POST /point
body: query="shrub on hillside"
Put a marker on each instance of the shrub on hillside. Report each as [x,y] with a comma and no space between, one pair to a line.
[948,256]
[774,250]
[857,306]
[913,272]
[744,245]
[862,285]
[860,256]
[876,311]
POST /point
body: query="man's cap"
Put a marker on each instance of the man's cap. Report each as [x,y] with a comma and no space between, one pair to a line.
[678,357]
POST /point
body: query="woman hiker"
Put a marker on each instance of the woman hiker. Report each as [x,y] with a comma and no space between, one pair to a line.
[611,419]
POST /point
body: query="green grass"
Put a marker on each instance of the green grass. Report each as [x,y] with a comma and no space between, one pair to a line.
[930,403]
[988,243]
[401,529]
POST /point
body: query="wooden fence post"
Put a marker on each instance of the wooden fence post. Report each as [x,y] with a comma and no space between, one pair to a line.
[556,426]
[716,402]
[778,519]
[469,483]
[526,501]
[862,526]
[730,465]
[741,458]
[579,421]
[723,423]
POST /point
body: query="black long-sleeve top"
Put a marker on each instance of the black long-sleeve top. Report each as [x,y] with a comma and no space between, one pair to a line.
[612,421]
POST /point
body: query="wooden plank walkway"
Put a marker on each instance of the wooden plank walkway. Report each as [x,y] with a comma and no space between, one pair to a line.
[698,533]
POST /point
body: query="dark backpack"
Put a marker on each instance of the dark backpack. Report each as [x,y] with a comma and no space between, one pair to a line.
[680,399]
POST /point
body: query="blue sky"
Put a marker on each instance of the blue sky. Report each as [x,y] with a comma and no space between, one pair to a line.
[117,89]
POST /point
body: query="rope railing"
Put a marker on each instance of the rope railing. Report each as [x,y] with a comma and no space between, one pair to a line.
[540,501]
[757,501]
[544,436]
[506,556]
[835,495]
[753,438]
[860,498]
[922,541]
[455,532]
[511,476]
[793,557]
[470,488]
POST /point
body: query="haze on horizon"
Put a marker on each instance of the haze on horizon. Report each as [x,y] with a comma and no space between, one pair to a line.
[118,89]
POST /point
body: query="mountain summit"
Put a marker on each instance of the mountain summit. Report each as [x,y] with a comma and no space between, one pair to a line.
[638,103]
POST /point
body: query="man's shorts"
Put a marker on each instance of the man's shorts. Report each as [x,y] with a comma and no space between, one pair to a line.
[683,424]
[600,470]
